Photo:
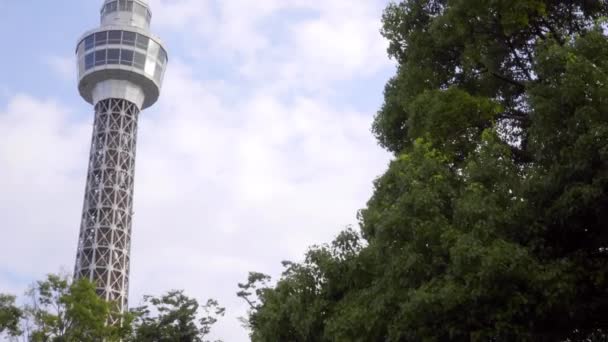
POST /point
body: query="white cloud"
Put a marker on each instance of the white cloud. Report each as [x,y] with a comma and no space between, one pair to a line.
[42,154]
[323,41]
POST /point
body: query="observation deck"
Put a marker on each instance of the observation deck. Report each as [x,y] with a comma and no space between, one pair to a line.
[124,51]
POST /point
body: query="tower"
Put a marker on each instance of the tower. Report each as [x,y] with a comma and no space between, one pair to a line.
[120,72]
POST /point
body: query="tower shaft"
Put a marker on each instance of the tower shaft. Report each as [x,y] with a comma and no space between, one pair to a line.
[105,232]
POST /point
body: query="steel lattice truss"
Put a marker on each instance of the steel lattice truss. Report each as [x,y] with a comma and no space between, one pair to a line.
[105,232]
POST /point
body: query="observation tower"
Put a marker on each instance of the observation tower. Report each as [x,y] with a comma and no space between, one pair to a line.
[120,72]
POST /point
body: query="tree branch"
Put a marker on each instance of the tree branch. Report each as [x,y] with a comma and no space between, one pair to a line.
[554,32]
[518,60]
[508,80]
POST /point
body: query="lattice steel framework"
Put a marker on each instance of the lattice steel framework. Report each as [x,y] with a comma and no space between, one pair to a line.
[105,233]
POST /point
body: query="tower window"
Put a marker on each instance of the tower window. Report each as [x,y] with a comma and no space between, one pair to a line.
[100,57]
[110,7]
[113,56]
[114,37]
[126,57]
[89,42]
[101,38]
[139,60]
[128,38]
[89,61]
[142,42]
[139,9]
[158,73]
[125,5]
[162,56]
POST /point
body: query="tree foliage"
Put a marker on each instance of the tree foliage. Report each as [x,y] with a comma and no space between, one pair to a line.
[490,222]
[175,317]
[60,311]
[10,315]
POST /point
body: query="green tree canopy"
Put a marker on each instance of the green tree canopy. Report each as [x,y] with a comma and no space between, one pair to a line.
[491,221]
[60,311]
[175,317]
[10,315]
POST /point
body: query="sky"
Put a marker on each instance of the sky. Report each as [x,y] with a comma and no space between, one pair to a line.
[259,147]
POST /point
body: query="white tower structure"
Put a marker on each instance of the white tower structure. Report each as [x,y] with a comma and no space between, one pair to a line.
[120,71]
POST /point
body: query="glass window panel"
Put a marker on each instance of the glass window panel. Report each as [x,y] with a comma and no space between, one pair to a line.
[89,61]
[89,42]
[100,57]
[142,42]
[128,38]
[80,49]
[101,38]
[150,66]
[113,56]
[113,6]
[110,7]
[162,56]
[114,37]
[122,5]
[139,61]
[153,49]
[139,9]
[130,5]
[158,73]
[126,57]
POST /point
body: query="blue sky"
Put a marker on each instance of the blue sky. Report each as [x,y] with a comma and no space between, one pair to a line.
[259,147]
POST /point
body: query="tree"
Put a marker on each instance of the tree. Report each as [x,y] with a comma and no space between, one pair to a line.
[10,315]
[175,317]
[295,310]
[490,223]
[63,311]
